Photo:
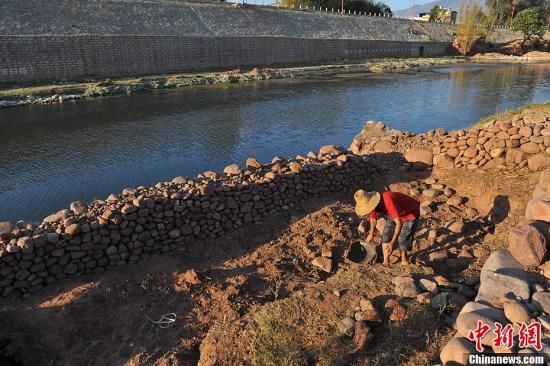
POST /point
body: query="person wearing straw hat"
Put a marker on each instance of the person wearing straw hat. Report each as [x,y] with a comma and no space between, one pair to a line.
[401,213]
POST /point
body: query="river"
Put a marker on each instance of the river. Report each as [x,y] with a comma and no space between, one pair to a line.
[51,155]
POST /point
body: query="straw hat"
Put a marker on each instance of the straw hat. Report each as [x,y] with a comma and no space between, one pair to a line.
[365,202]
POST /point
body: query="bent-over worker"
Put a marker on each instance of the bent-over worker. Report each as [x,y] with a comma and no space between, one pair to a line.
[401,213]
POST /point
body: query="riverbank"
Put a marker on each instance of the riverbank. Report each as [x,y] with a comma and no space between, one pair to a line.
[13,96]
[530,57]
[252,260]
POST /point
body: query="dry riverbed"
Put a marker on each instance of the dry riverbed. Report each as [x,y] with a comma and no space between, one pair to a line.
[18,95]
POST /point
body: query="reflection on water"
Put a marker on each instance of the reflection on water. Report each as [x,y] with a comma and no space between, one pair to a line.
[51,155]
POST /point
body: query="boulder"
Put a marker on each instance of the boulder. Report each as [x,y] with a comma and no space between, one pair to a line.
[456,227]
[530,148]
[26,245]
[409,290]
[361,335]
[542,301]
[383,147]
[425,298]
[295,167]
[516,312]
[428,285]
[456,351]
[395,311]
[538,162]
[232,169]
[371,317]
[527,245]
[440,256]
[253,164]
[417,155]
[6,228]
[323,263]
[514,156]
[78,207]
[347,326]
[72,229]
[538,209]
[444,161]
[331,150]
[471,313]
[500,277]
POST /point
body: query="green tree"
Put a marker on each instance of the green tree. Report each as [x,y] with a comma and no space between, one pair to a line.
[502,9]
[435,13]
[530,23]
[471,27]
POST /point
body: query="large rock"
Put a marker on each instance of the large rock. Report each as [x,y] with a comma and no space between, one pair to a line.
[456,351]
[538,209]
[331,150]
[516,312]
[78,207]
[323,263]
[542,301]
[408,289]
[530,148]
[527,245]
[253,163]
[444,161]
[538,162]
[514,156]
[232,169]
[502,275]
[5,229]
[417,155]
[383,147]
[471,313]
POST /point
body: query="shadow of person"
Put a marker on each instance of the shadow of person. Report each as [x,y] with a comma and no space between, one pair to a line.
[500,210]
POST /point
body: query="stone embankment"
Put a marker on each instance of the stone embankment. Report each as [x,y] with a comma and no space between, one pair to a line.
[128,227]
[521,141]
[514,286]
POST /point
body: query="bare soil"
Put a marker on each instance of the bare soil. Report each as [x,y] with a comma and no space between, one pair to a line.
[258,294]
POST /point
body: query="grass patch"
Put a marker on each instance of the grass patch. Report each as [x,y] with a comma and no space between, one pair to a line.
[534,110]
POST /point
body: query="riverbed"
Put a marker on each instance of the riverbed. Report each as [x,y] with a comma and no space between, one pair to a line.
[51,155]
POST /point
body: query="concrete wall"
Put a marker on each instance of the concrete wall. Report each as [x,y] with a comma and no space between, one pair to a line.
[36,58]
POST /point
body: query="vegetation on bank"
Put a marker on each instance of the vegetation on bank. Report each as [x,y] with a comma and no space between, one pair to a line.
[369,6]
[533,110]
[24,93]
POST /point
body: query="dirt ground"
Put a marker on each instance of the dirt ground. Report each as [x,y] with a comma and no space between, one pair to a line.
[258,293]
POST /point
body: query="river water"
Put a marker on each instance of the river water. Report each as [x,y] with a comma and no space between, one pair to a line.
[51,155]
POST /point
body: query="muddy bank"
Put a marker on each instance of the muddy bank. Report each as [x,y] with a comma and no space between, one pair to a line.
[70,91]
[530,57]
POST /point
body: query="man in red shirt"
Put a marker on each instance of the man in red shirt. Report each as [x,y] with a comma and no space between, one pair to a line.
[401,213]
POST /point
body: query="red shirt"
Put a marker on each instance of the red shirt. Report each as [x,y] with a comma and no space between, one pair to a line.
[395,204]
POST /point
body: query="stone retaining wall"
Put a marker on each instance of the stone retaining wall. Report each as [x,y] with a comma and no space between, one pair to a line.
[521,141]
[35,58]
[169,216]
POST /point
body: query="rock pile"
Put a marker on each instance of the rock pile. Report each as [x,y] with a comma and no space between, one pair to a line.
[522,141]
[507,293]
[170,216]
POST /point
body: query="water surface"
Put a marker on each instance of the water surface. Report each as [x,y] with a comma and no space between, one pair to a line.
[51,155]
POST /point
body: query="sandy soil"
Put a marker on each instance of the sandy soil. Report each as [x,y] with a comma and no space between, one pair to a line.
[225,283]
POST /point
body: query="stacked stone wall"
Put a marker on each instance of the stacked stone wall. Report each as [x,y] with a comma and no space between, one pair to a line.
[521,141]
[170,216]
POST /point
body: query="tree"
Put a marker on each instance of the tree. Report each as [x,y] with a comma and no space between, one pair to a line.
[530,23]
[368,6]
[471,26]
[502,9]
[435,13]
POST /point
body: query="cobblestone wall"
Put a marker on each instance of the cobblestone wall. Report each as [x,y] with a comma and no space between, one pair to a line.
[35,58]
[170,216]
